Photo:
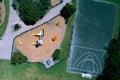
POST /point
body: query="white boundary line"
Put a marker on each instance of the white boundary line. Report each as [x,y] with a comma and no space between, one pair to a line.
[70,57]
[91,48]
[93,64]
[84,70]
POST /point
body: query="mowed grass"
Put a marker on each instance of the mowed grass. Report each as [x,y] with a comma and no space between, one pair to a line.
[117,19]
[36,71]
[4,25]
[65,46]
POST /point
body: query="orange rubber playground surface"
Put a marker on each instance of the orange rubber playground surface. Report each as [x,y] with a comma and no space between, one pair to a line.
[54,32]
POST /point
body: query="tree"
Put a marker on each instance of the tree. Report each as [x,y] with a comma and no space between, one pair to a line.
[32,10]
[119,35]
[16,27]
[56,54]
[1,0]
[18,58]
[111,70]
[67,11]
[15,4]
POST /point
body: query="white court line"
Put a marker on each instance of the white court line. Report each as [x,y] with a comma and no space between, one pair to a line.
[84,70]
[93,64]
[71,51]
[79,63]
[70,57]
[82,63]
[86,59]
[88,53]
[91,48]
[79,58]
[98,70]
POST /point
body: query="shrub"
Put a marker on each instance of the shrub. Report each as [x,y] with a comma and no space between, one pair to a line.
[56,54]
[14,5]
[17,27]
[32,10]
[67,11]
[18,58]
[1,0]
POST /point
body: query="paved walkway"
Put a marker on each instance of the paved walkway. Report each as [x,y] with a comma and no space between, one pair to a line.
[7,40]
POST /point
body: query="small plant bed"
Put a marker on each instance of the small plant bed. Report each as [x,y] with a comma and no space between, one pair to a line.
[33,11]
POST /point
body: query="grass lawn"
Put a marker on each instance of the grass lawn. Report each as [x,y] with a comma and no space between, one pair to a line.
[36,71]
[117,20]
[4,25]
[66,42]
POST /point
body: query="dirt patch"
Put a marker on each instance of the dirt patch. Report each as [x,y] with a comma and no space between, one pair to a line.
[2,12]
[54,32]
[55,2]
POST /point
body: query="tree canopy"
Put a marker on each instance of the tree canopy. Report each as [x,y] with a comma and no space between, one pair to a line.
[111,70]
[67,11]
[0,0]
[17,27]
[32,10]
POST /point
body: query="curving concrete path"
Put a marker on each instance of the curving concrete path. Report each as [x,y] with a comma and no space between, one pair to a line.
[7,40]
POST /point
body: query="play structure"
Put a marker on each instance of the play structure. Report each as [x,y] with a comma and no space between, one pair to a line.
[39,42]
[19,42]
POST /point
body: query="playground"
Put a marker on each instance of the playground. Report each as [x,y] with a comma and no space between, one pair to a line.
[53,34]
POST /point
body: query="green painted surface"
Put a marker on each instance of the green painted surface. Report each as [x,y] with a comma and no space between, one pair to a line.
[117,20]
